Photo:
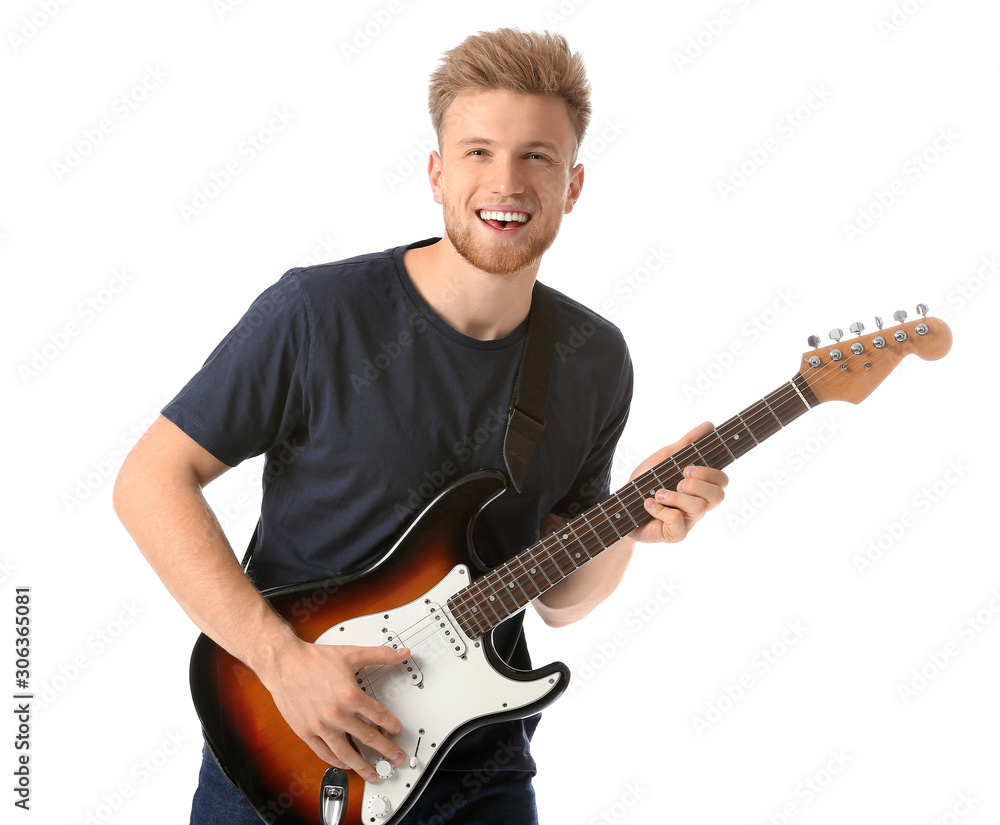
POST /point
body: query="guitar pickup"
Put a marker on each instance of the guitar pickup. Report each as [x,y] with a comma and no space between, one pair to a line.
[413,674]
[448,634]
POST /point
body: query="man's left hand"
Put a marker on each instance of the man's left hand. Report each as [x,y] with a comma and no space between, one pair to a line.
[675,512]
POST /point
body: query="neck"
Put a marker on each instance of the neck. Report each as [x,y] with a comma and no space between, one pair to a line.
[508,588]
[471,301]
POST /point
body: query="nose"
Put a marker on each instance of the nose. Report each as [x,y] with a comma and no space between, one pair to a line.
[507,178]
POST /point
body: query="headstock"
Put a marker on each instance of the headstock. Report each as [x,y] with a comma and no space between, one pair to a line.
[849,369]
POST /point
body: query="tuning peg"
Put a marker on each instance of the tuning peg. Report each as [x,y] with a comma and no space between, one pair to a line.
[836,334]
[922,309]
[878,321]
[899,316]
[814,341]
[857,327]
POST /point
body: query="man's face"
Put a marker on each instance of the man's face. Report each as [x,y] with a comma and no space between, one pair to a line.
[504,177]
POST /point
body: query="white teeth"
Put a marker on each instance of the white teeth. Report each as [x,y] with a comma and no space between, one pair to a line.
[520,217]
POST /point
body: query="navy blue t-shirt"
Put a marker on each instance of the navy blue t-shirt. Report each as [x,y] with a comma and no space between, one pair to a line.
[366,404]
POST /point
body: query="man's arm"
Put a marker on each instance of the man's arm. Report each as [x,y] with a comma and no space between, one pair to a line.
[674,513]
[158,496]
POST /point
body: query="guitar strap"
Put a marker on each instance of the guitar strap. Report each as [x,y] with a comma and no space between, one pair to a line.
[529,399]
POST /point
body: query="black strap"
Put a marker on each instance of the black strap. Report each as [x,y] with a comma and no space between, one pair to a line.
[530,398]
[245,564]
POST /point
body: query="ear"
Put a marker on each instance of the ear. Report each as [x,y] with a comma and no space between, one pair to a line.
[575,186]
[434,164]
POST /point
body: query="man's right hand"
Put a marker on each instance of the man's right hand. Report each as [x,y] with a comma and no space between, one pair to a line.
[315,689]
[158,496]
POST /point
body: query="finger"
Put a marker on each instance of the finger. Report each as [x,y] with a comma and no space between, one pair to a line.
[709,474]
[367,706]
[702,429]
[664,453]
[674,523]
[323,751]
[711,494]
[341,754]
[361,656]
[370,736]
[331,743]
[693,498]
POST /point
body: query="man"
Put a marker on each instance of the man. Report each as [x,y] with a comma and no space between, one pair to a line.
[349,450]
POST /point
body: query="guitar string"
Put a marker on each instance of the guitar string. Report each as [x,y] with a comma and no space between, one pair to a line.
[831,373]
[761,410]
[825,377]
[788,392]
[785,393]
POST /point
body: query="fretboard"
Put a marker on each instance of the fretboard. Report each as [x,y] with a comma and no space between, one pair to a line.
[506,589]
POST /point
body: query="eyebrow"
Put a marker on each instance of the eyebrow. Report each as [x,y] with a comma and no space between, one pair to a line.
[531,144]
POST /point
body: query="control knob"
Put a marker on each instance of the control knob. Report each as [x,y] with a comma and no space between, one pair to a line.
[379,807]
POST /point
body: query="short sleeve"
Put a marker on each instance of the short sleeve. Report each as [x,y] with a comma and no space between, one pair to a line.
[250,394]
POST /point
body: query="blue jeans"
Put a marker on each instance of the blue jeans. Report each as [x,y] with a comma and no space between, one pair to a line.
[451,798]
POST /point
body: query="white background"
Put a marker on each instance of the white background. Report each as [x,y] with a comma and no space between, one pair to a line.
[115,292]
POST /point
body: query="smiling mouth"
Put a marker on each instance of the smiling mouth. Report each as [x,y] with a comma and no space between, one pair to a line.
[504,220]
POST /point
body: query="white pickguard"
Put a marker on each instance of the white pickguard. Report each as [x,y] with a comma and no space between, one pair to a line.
[446,683]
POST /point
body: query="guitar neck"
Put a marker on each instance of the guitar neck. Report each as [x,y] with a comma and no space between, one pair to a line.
[506,589]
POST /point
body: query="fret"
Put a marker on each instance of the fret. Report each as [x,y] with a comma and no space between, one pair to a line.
[617,520]
[721,462]
[705,463]
[585,520]
[520,587]
[746,428]
[492,604]
[803,388]
[764,402]
[508,588]
[608,530]
[562,546]
[467,617]
[761,421]
[678,473]
[796,388]
[504,594]
[554,555]
[540,568]
[551,583]
[684,458]
[495,600]
[791,404]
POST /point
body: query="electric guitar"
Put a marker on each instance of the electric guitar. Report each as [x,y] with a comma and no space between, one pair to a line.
[430,593]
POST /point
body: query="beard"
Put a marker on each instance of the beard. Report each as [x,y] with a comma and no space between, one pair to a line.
[500,257]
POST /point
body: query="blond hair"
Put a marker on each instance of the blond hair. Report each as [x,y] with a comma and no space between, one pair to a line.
[514,61]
